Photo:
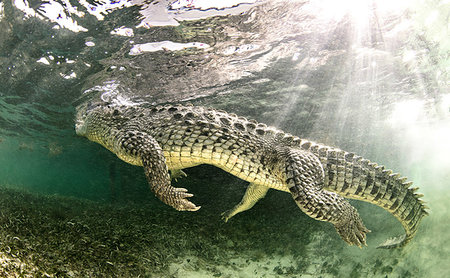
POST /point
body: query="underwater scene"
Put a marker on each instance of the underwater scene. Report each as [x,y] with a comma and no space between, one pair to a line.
[228,138]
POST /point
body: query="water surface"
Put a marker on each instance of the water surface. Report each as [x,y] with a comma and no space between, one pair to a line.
[370,77]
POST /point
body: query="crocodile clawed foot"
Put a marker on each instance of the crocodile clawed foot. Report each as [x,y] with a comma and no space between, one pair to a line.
[352,230]
[226,215]
[180,202]
[177,174]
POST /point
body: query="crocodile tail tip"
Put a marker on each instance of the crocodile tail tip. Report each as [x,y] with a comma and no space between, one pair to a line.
[394,242]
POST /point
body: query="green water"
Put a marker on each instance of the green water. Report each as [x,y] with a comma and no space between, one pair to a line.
[370,77]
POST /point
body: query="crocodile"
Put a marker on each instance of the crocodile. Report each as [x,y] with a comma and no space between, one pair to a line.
[166,139]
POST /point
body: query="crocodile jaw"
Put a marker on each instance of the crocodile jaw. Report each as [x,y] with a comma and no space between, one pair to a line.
[80,119]
[80,128]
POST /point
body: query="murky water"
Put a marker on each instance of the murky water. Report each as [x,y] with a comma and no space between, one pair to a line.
[370,77]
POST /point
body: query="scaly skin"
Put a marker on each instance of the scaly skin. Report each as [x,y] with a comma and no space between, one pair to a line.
[176,137]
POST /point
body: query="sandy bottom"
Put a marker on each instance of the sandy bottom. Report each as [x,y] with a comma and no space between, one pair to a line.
[54,236]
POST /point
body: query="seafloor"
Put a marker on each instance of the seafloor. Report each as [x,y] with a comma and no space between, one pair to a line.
[55,236]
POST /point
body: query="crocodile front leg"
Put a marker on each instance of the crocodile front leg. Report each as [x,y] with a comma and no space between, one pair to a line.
[156,171]
[304,178]
[253,194]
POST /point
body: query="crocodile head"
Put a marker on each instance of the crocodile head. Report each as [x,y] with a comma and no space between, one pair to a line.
[82,115]
[90,113]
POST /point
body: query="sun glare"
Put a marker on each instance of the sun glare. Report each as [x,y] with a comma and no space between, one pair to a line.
[407,113]
[357,10]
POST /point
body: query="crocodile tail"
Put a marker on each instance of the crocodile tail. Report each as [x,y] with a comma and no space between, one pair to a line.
[353,177]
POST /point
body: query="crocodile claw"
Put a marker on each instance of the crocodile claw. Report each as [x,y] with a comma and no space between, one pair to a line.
[177,174]
[226,215]
[352,230]
[187,205]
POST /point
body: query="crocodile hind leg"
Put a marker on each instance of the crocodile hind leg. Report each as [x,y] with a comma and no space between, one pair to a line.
[304,178]
[253,194]
[156,171]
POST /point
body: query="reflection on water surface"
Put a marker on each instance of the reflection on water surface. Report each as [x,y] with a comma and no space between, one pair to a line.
[370,77]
